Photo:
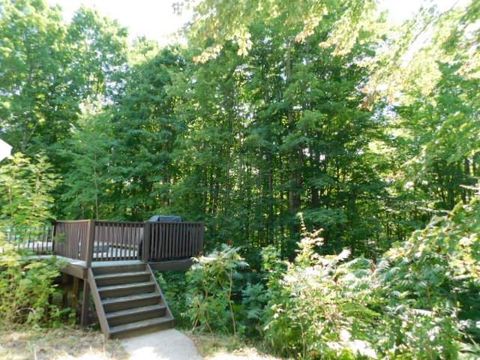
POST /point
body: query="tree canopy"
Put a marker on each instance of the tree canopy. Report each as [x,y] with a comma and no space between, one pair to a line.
[271,110]
[274,117]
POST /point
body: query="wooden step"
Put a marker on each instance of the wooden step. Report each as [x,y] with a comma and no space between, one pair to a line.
[136,314]
[122,278]
[131,301]
[126,289]
[140,327]
[103,269]
[128,299]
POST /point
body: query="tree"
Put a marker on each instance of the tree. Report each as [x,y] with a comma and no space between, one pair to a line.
[218,22]
[87,182]
[27,184]
[50,69]
[36,104]
[435,119]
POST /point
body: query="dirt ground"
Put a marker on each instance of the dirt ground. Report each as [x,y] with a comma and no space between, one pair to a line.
[217,347]
[76,344]
[58,344]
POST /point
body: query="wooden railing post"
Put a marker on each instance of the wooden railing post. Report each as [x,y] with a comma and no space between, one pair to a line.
[90,243]
[147,226]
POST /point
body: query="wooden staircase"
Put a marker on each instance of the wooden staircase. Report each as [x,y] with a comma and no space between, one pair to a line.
[128,299]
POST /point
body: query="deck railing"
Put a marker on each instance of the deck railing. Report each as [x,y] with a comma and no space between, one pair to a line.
[94,240]
[38,239]
[171,241]
[71,239]
[117,240]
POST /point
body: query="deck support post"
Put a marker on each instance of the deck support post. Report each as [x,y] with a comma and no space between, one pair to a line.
[65,281]
[88,261]
[75,293]
[85,303]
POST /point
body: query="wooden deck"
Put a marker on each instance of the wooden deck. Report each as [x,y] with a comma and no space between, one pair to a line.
[113,262]
[79,269]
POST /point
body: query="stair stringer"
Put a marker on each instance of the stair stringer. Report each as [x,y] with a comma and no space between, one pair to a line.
[102,317]
[107,330]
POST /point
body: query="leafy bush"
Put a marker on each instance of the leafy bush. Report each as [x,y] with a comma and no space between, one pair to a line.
[209,299]
[174,286]
[419,301]
[254,300]
[26,197]
[319,307]
[27,288]
[431,284]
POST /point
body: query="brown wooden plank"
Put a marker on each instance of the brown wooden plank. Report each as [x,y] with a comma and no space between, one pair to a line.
[163,246]
[126,252]
[133,243]
[182,240]
[89,242]
[201,239]
[171,265]
[174,240]
[182,236]
[120,240]
[178,240]
[105,242]
[164,243]
[157,240]
[102,318]
[75,293]
[191,238]
[85,303]
[110,241]
[154,238]
[146,241]
[170,240]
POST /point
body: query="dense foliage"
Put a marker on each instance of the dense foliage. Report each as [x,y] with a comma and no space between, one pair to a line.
[27,290]
[27,286]
[271,109]
[419,300]
[27,187]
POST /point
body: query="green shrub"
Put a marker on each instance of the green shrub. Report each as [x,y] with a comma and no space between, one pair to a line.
[254,300]
[174,287]
[27,289]
[209,298]
[319,308]
[27,286]
[26,198]
[419,301]
[431,284]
